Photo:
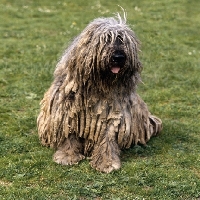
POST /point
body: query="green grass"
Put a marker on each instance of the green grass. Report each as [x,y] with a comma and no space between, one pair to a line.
[33,35]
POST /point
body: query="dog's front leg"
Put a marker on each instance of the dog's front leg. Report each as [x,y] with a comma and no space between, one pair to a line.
[105,156]
[70,152]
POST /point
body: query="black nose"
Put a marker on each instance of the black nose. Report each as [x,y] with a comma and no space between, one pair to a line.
[118,57]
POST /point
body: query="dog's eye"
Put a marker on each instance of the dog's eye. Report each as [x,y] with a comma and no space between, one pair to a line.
[119,39]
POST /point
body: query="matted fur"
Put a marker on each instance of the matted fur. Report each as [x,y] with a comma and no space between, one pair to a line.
[90,111]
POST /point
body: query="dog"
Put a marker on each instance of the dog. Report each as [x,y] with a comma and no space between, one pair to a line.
[92,109]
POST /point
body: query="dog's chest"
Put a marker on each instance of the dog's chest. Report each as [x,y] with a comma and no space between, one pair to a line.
[98,117]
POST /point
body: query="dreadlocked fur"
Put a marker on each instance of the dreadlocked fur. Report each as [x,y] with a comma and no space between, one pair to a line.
[91,111]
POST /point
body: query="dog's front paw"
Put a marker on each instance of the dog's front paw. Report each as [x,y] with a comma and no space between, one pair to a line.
[64,158]
[104,164]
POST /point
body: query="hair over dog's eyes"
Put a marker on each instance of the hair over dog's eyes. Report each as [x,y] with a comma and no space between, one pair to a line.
[112,39]
[119,39]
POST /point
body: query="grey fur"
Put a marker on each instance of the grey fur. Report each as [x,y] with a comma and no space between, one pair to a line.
[88,110]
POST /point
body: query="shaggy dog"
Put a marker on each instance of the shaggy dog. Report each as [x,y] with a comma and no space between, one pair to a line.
[92,109]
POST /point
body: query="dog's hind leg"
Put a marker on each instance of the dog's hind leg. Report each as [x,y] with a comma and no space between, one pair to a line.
[70,152]
[105,156]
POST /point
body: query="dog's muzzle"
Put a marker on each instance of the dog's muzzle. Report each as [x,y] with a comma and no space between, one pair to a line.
[117,62]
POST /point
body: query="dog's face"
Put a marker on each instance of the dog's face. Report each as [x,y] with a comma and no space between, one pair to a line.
[112,49]
[106,53]
[117,55]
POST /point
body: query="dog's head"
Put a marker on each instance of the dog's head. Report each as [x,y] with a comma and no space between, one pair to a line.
[106,51]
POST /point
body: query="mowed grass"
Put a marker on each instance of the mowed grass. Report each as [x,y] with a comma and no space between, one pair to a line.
[33,35]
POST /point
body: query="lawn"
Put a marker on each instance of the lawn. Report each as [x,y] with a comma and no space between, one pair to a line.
[33,35]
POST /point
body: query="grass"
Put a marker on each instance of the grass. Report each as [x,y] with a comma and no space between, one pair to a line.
[33,35]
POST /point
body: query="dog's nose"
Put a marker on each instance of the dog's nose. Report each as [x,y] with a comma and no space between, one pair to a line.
[118,58]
